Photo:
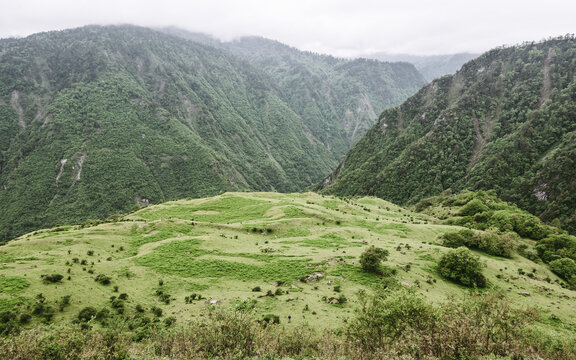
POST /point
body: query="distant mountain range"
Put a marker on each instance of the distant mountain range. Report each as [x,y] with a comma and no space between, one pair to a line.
[96,120]
[505,121]
[430,66]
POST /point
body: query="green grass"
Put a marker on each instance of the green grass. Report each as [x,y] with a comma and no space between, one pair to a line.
[12,284]
[209,247]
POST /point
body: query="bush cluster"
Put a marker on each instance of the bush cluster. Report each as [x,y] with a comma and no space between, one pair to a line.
[462,266]
[490,242]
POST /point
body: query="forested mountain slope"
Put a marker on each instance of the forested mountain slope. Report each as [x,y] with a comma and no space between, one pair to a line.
[318,87]
[505,121]
[337,99]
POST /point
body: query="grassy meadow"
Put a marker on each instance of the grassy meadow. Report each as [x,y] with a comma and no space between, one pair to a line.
[294,256]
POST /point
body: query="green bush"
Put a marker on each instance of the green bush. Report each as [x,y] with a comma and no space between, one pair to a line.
[53,278]
[387,315]
[474,206]
[371,259]
[103,279]
[566,269]
[271,319]
[462,266]
[87,314]
[556,246]
[490,242]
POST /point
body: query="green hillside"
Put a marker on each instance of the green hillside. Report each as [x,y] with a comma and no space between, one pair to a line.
[296,257]
[338,99]
[96,120]
[349,92]
[505,121]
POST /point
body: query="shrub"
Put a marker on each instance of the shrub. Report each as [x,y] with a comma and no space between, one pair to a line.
[462,266]
[566,269]
[372,257]
[169,321]
[53,278]
[489,241]
[474,206]
[102,315]
[453,239]
[102,279]
[556,246]
[271,319]
[156,311]
[87,314]
[387,315]
[496,244]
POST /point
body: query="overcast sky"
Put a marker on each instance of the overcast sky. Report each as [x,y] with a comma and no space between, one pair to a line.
[338,27]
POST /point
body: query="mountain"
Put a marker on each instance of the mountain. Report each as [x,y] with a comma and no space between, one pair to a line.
[96,120]
[350,92]
[337,99]
[506,121]
[430,66]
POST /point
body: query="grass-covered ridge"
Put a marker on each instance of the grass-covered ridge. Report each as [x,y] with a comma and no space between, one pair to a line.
[292,258]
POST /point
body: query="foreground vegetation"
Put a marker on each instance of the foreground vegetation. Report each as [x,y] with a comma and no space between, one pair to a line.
[390,324]
[282,275]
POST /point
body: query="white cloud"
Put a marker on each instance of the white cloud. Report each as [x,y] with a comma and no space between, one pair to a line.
[340,27]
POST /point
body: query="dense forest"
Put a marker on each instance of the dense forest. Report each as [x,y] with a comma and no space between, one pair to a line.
[96,120]
[506,121]
[351,93]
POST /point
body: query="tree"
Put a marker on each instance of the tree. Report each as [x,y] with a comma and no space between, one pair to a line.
[462,266]
[372,257]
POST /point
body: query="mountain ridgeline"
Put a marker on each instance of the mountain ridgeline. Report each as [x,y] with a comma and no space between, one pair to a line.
[98,119]
[506,121]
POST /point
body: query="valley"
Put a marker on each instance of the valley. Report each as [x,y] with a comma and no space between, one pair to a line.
[167,195]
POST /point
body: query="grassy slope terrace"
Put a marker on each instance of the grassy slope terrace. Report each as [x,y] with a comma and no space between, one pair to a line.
[225,246]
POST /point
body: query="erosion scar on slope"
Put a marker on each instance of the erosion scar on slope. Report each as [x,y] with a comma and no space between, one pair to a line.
[547,83]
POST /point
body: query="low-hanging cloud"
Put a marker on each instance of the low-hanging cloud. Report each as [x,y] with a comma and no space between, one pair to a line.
[338,27]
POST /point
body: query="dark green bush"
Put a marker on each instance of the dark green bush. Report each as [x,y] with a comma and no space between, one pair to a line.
[462,266]
[566,269]
[156,311]
[556,246]
[271,319]
[473,207]
[371,259]
[87,314]
[103,279]
[53,278]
